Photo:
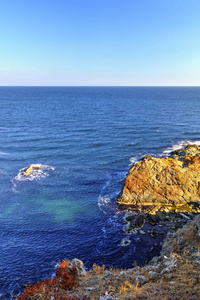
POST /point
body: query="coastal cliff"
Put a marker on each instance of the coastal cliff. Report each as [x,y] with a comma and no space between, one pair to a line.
[172,275]
[169,183]
[163,186]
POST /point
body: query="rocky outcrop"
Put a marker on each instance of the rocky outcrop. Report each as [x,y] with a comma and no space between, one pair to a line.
[175,274]
[79,265]
[30,170]
[134,222]
[170,183]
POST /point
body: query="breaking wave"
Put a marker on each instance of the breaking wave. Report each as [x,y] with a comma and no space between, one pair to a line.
[104,203]
[4,153]
[179,145]
[165,152]
[40,171]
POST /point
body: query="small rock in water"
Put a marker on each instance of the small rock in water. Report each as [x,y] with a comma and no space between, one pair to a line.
[152,220]
[138,222]
[129,216]
[154,232]
[125,242]
[31,169]
[127,228]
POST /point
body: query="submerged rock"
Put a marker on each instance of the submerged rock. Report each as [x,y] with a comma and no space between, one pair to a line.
[175,273]
[134,222]
[152,220]
[125,242]
[28,171]
[138,222]
[170,183]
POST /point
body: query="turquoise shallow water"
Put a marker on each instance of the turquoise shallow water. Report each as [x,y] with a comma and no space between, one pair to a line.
[85,138]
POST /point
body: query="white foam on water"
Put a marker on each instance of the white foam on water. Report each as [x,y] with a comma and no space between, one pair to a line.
[125,242]
[122,175]
[132,160]
[107,182]
[105,193]
[135,159]
[4,153]
[103,203]
[41,171]
[180,145]
[167,151]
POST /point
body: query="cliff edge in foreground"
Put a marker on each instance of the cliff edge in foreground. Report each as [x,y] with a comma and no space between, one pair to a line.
[173,275]
[170,183]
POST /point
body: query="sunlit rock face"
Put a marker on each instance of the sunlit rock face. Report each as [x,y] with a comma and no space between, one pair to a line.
[31,169]
[164,183]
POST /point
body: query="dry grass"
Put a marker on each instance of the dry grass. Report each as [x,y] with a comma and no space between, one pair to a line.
[182,283]
[98,269]
[177,275]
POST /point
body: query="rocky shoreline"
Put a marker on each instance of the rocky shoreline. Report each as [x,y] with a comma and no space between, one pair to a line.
[174,274]
[161,192]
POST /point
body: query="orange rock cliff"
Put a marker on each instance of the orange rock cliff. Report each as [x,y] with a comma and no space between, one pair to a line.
[164,183]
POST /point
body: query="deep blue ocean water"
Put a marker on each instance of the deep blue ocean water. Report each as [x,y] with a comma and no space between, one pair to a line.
[86,139]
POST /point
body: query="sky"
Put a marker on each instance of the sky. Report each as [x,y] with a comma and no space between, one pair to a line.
[99,43]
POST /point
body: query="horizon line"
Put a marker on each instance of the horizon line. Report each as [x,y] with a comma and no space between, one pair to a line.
[99,86]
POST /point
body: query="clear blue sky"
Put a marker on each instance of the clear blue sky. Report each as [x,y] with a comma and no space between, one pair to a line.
[100,42]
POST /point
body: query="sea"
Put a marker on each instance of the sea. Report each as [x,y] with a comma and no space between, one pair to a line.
[84,139]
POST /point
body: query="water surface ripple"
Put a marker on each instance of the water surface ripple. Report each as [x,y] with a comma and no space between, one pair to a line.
[86,138]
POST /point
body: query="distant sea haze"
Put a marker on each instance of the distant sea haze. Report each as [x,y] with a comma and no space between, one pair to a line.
[85,139]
